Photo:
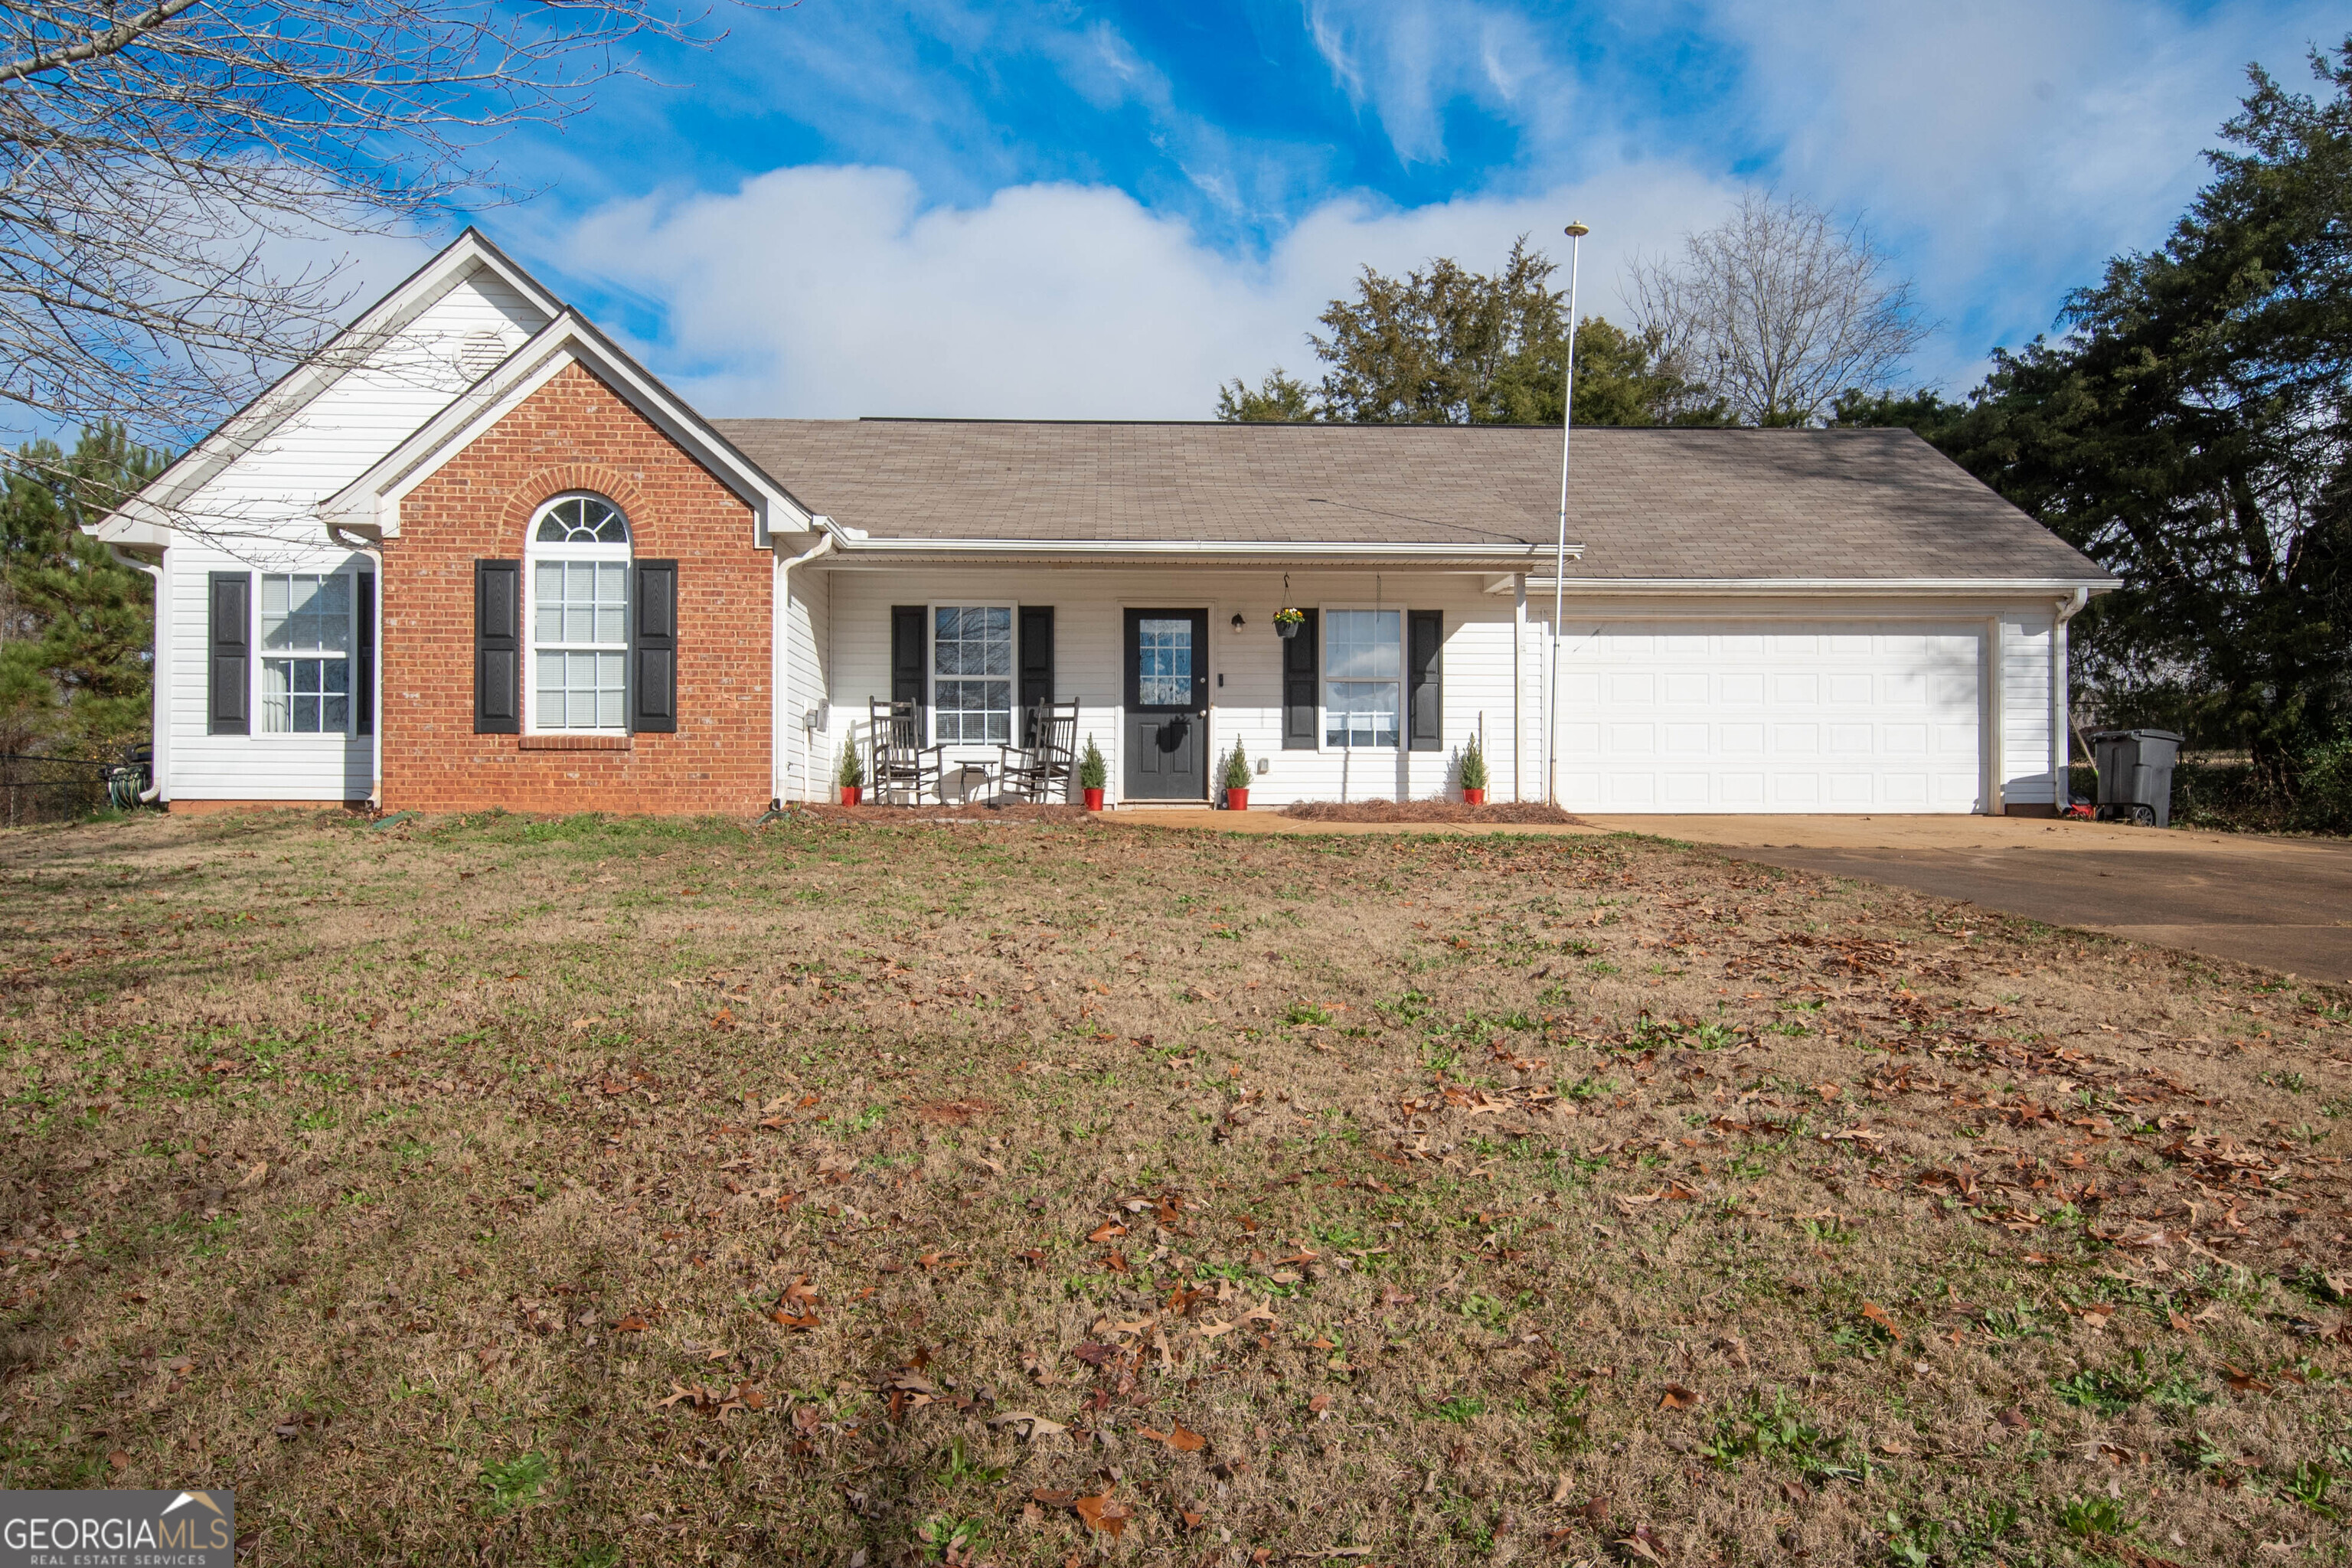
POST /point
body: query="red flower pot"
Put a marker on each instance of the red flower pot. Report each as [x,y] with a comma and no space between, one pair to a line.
[1473,797]
[1237,800]
[1094,800]
[851,793]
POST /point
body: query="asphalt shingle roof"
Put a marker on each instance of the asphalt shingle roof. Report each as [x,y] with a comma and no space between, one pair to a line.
[1645,503]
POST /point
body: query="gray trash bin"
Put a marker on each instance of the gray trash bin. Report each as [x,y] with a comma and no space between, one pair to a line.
[2136,774]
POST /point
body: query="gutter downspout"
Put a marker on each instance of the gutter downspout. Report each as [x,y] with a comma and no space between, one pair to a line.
[783,769]
[1519,681]
[374,553]
[161,718]
[2061,718]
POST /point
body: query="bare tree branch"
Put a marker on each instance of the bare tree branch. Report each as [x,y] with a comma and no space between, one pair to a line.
[155,162]
[1778,309]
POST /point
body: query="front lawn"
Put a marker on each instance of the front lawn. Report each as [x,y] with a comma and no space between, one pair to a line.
[579,1193]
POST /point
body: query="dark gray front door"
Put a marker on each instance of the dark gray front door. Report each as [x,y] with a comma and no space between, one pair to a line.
[1167,705]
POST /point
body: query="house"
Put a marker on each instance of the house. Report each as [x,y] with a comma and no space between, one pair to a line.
[474,555]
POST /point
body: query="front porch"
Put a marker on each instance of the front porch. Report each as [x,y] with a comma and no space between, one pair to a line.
[1171,670]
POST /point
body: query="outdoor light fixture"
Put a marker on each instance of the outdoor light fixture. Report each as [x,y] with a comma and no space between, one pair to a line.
[1576,232]
[1238,622]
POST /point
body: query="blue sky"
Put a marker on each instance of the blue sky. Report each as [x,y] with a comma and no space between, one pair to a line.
[1102,210]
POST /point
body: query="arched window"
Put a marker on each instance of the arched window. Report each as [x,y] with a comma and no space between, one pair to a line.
[579,561]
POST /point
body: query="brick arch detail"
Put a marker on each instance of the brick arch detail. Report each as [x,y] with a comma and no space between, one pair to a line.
[540,486]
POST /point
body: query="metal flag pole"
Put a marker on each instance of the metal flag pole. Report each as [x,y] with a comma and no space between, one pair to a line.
[1576,233]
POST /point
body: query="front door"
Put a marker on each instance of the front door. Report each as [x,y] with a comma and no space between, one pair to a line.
[1167,705]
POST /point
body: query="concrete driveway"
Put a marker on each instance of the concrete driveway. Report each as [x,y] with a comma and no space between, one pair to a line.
[2283,903]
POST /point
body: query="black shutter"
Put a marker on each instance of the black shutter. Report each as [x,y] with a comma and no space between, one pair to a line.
[1426,681]
[231,634]
[498,647]
[364,654]
[909,648]
[1036,661]
[653,650]
[1301,677]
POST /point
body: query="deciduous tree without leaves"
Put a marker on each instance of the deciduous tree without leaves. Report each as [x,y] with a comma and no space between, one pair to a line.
[1778,309]
[159,158]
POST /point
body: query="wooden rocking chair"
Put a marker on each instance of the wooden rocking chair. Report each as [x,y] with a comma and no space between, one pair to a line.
[1041,770]
[903,769]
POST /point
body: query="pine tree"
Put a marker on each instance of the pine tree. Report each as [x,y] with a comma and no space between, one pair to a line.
[76,627]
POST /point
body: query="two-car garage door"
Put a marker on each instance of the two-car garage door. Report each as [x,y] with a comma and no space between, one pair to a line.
[1839,716]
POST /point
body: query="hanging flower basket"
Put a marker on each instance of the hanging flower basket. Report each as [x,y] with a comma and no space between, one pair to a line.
[1289,620]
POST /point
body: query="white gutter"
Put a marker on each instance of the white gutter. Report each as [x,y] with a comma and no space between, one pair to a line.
[374,553]
[160,716]
[2036,586]
[1181,549]
[781,769]
[2061,726]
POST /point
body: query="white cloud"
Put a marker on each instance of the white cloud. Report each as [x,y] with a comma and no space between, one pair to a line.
[834,291]
[2009,146]
[2003,148]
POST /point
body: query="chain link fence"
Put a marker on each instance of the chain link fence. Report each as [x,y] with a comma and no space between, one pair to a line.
[58,789]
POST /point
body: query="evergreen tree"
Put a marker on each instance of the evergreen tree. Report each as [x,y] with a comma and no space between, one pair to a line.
[1445,345]
[2191,431]
[76,627]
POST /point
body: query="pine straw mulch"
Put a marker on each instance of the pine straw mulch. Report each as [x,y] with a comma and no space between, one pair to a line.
[1430,811]
[577,1193]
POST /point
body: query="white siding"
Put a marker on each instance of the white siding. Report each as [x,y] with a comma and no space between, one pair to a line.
[1088,623]
[2025,698]
[803,751]
[203,766]
[259,514]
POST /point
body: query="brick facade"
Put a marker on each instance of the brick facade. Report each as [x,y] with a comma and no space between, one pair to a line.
[575,434]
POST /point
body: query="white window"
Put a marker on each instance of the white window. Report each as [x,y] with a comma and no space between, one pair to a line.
[971,673]
[1363,654]
[579,554]
[306,653]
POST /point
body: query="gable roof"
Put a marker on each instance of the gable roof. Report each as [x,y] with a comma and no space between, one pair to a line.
[1867,505]
[146,517]
[371,501]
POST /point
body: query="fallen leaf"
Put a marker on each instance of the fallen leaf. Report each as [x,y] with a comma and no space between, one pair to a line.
[1179,1437]
[1828,1090]
[1110,1230]
[1032,1427]
[2179,1322]
[1103,1514]
[1677,1397]
[806,1319]
[1879,1315]
[631,1324]
[1192,1520]
[1638,1544]
[2245,1382]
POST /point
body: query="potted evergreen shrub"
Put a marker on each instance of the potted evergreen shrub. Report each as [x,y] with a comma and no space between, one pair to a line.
[852,776]
[1094,774]
[1238,777]
[1474,773]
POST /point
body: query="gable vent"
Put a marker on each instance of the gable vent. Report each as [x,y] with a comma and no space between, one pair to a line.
[479,353]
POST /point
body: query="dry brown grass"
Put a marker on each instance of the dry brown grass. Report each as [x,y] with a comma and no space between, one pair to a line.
[577,1193]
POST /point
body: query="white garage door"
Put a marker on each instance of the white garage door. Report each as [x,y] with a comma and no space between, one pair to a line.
[1838,716]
